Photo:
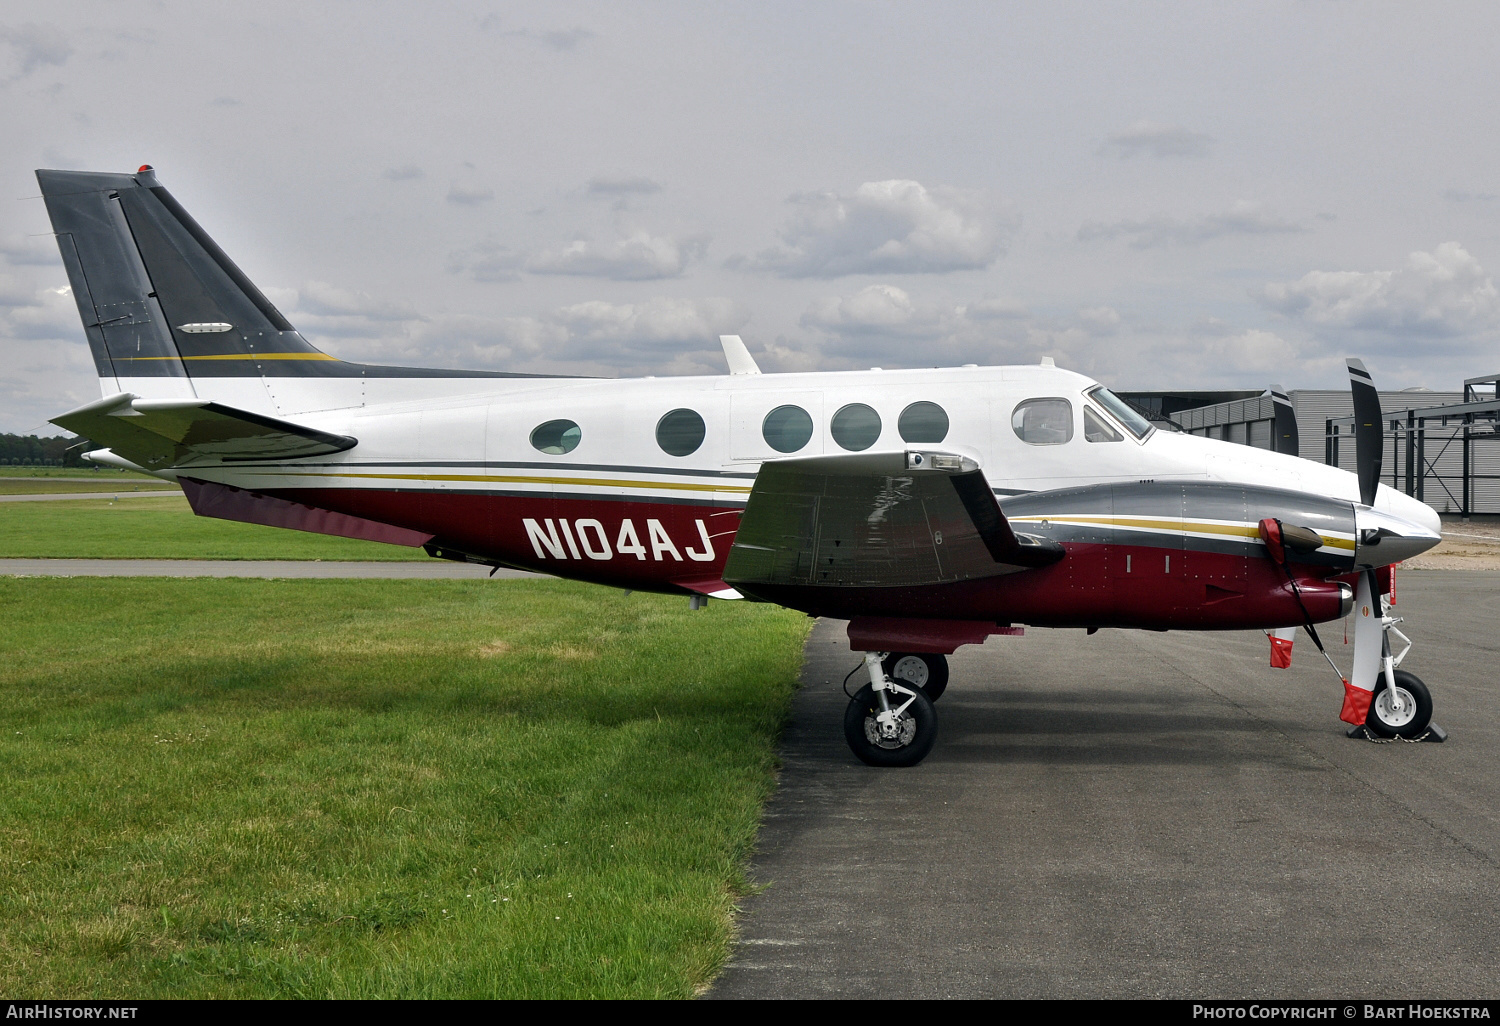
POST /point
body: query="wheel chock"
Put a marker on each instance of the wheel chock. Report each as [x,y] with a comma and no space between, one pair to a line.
[1434,733]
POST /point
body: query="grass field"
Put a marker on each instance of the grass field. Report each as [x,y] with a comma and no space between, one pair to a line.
[110,474]
[161,528]
[53,486]
[377,788]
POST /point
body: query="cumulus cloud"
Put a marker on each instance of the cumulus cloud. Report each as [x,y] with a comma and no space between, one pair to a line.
[29,250]
[33,46]
[1099,320]
[469,195]
[404,173]
[878,310]
[640,256]
[622,186]
[1464,196]
[489,261]
[1241,219]
[890,227]
[600,330]
[1157,140]
[1442,293]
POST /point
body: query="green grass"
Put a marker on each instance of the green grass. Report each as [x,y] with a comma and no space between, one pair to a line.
[160,528]
[49,486]
[90,471]
[378,788]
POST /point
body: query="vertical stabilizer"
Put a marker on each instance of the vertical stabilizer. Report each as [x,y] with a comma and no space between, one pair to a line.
[161,303]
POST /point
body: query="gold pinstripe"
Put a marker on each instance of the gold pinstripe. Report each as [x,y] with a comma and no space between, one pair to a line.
[1179,525]
[593,482]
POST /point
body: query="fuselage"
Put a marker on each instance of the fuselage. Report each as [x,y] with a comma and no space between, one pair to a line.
[574,477]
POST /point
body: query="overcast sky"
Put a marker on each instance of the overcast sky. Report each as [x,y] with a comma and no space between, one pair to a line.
[1159,195]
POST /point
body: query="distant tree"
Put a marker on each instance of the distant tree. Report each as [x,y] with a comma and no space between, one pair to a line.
[56,451]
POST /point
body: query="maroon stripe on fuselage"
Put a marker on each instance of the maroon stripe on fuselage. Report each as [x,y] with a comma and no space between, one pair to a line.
[648,545]
[639,545]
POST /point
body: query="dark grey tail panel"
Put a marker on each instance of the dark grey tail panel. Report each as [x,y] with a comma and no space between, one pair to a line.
[125,326]
[158,297]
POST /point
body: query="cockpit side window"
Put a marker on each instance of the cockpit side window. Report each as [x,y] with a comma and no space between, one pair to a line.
[1096,429]
[1043,421]
[1122,411]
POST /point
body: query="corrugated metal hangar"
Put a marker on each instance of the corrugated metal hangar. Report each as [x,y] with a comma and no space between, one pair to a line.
[1441,447]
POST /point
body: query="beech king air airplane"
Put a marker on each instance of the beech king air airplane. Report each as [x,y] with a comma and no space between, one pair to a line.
[929,508]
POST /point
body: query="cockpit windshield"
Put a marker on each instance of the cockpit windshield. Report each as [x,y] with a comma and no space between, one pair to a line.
[1121,411]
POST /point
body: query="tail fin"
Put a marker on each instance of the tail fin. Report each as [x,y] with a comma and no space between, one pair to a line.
[159,299]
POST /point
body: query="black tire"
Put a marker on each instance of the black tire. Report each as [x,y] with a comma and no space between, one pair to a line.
[926,670]
[918,728]
[1410,723]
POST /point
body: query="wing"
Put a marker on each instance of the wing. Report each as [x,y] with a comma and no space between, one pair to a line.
[890,519]
[164,433]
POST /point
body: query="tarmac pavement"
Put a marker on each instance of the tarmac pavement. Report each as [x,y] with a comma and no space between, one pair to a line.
[1136,814]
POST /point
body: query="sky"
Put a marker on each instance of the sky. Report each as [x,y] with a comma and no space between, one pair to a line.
[1173,195]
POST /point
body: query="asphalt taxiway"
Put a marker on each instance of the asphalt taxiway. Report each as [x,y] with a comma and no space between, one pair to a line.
[1143,815]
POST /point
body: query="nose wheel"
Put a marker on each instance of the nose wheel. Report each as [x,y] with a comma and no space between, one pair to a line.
[1405,711]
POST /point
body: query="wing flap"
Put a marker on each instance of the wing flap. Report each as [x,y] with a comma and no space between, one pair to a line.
[161,434]
[892,519]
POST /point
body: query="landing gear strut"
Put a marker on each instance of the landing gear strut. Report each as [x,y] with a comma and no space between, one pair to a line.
[889,723]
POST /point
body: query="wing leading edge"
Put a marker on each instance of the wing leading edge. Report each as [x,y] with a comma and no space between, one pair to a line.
[890,519]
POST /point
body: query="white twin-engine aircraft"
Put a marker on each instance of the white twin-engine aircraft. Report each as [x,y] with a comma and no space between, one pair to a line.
[929,508]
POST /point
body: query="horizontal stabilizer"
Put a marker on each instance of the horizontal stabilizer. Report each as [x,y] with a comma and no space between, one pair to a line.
[161,434]
[891,519]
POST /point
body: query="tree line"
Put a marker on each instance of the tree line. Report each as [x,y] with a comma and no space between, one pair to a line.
[57,451]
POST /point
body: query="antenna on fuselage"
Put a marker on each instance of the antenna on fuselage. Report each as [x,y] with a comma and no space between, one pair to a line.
[738,357]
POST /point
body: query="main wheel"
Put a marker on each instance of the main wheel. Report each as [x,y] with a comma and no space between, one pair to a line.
[914,733]
[925,670]
[1407,713]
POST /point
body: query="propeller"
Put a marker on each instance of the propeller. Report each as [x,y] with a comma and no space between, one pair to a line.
[1284,430]
[1367,431]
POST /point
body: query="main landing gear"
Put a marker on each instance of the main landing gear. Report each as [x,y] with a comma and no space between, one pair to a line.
[890,723]
[925,670]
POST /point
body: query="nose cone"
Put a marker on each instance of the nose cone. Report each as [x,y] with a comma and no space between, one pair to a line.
[1414,511]
[1384,538]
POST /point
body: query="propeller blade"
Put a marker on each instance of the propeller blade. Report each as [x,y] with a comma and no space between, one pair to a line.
[1367,431]
[1284,430]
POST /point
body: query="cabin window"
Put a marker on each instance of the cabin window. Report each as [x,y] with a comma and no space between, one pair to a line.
[1043,421]
[787,428]
[923,422]
[680,432]
[556,437]
[1095,429]
[856,427]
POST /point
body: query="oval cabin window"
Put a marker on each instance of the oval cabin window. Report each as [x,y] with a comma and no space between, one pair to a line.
[923,422]
[787,428]
[680,432]
[856,427]
[1043,421]
[556,437]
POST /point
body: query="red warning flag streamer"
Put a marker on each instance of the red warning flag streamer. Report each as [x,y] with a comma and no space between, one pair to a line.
[1281,653]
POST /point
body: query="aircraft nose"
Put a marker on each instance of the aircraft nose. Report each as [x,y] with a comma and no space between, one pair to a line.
[1413,511]
[1384,538]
